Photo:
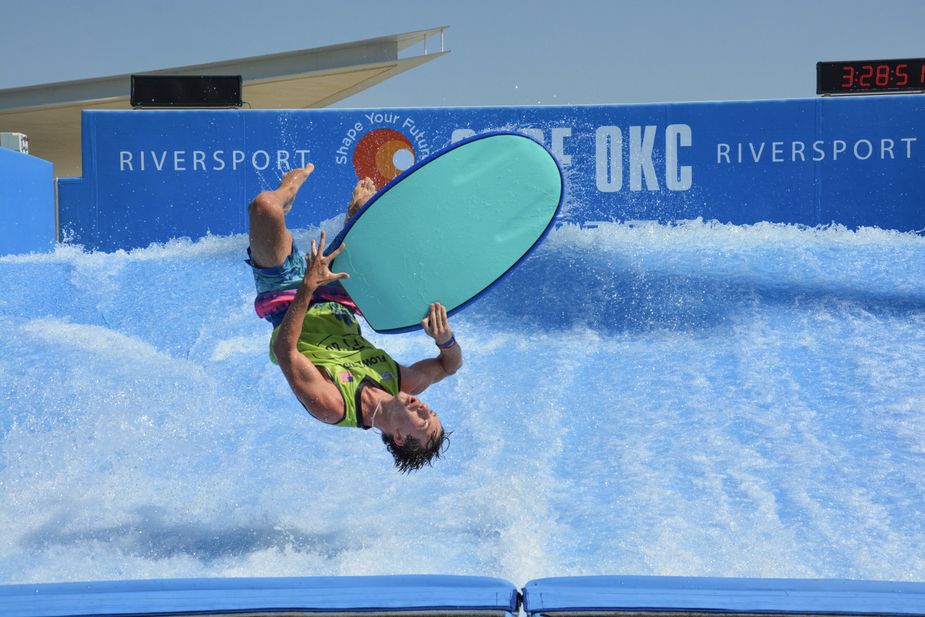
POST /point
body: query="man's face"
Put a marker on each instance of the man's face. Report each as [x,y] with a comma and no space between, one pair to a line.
[416,419]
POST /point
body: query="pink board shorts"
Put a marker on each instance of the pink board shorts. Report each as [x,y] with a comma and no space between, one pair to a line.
[277,287]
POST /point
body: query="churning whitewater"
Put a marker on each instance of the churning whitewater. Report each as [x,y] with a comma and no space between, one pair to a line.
[693,399]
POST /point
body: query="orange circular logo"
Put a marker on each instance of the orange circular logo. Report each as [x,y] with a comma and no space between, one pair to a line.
[381,155]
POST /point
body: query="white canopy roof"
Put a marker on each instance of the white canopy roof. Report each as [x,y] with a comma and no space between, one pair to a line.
[49,114]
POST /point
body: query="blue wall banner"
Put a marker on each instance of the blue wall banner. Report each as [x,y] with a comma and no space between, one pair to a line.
[27,204]
[149,176]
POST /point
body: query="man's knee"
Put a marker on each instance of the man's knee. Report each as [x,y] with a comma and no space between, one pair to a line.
[264,205]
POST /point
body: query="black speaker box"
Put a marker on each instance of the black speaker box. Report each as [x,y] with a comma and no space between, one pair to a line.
[186,91]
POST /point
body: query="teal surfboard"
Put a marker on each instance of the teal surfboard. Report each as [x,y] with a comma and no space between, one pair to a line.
[448,228]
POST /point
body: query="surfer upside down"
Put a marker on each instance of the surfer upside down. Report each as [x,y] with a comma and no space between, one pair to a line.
[338,376]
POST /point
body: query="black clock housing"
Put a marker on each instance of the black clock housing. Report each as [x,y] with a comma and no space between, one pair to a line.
[870,76]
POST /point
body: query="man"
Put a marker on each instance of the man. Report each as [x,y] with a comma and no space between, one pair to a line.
[338,376]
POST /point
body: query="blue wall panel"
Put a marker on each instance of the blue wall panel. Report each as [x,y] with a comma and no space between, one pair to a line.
[152,175]
[27,204]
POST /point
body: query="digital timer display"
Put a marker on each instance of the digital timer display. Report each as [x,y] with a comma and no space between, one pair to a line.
[862,76]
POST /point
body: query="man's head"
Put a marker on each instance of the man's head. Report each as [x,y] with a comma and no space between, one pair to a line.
[416,436]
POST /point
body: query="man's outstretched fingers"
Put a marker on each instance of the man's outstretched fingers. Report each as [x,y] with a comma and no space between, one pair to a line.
[337,251]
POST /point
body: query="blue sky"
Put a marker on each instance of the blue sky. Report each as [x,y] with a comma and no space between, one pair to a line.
[503,52]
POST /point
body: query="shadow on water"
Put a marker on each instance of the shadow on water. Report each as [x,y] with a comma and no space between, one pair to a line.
[149,536]
[556,291]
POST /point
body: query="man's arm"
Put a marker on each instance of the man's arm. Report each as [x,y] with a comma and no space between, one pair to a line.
[319,397]
[420,375]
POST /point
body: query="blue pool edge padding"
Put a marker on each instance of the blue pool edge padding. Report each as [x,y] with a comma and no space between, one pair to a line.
[339,595]
[605,594]
[458,595]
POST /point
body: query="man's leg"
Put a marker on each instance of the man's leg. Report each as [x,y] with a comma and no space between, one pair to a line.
[270,239]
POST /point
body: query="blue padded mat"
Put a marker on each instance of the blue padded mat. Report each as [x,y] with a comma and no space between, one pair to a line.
[595,594]
[315,594]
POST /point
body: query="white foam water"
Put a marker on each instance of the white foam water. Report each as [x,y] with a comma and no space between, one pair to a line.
[692,399]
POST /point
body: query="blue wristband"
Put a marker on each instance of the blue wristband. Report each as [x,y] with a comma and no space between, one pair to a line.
[447,344]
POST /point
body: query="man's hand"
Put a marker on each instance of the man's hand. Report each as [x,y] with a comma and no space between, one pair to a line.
[318,271]
[436,325]
[420,375]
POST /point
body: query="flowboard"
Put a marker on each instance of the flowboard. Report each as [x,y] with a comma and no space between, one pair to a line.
[448,228]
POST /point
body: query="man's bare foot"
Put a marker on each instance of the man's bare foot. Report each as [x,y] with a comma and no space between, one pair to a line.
[361,194]
[290,185]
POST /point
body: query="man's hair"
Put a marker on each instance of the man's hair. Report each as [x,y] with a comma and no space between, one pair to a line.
[412,454]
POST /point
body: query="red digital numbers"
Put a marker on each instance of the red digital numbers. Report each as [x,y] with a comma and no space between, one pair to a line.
[878,76]
[869,76]
[847,77]
[882,75]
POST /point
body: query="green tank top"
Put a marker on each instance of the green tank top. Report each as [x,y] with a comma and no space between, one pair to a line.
[332,341]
